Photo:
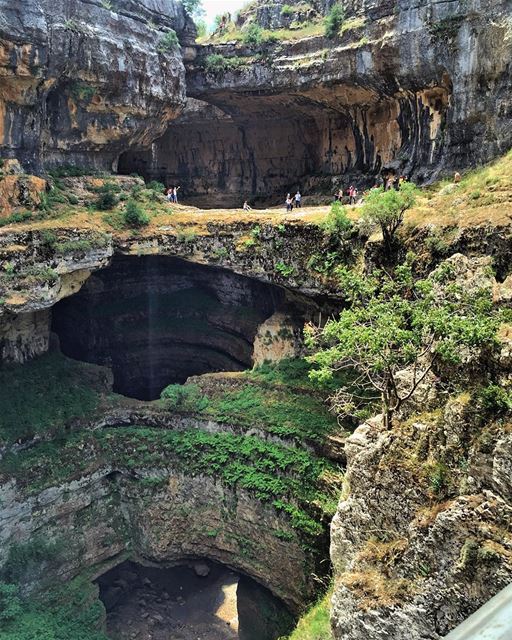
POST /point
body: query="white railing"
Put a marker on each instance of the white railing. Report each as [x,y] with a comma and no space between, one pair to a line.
[493,621]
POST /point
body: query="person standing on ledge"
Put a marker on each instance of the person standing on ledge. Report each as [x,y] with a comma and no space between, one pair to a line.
[175,194]
[289,203]
[298,199]
[170,194]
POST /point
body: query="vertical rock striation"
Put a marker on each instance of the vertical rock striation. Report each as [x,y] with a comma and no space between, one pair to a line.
[82,81]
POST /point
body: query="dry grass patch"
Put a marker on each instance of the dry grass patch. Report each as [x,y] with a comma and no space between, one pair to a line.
[384,553]
[374,590]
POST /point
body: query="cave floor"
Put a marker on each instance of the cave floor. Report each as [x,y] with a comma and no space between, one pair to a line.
[189,608]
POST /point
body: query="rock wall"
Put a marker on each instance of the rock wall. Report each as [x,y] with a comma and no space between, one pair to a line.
[396,92]
[103,517]
[423,533]
[80,82]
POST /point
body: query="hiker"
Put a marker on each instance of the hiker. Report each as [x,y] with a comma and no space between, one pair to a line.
[457,177]
[246,206]
[170,195]
[175,194]
[352,194]
[289,203]
[298,199]
[390,182]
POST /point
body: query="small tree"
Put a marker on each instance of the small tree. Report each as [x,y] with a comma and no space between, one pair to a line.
[253,35]
[107,198]
[134,216]
[396,323]
[339,229]
[334,20]
[387,209]
[168,42]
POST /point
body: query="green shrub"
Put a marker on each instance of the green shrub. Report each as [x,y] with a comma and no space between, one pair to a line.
[81,91]
[337,224]
[334,20]
[184,398]
[495,399]
[287,11]
[284,270]
[156,186]
[253,35]
[22,216]
[70,612]
[168,42]
[134,216]
[71,170]
[107,198]
[10,604]
[216,63]
[25,557]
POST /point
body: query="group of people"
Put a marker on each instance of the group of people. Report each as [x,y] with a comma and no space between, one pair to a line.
[172,194]
[294,201]
[352,194]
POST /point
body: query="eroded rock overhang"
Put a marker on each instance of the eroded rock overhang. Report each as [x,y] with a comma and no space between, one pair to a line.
[398,93]
[80,82]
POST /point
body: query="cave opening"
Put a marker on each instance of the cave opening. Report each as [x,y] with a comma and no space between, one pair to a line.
[227,147]
[157,320]
[195,600]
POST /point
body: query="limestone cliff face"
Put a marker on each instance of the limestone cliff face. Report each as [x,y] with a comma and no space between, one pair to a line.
[154,516]
[80,82]
[422,535]
[419,88]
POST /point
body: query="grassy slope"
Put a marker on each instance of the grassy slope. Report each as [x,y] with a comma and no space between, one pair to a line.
[483,196]
[315,625]
[45,394]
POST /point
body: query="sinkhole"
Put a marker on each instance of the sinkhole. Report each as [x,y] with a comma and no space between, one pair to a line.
[197,600]
[157,320]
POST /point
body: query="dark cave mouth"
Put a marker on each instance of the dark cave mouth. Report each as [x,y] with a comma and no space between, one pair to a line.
[157,320]
[195,599]
[227,146]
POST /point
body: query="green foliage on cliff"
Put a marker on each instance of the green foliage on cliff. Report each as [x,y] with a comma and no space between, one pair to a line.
[287,477]
[396,322]
[315,623]
[44,394]
[279,399]
[71,612]
[334,20]
[168,42]
[184,398]
[217,64]
[107,196]
[25,558]
[134,215]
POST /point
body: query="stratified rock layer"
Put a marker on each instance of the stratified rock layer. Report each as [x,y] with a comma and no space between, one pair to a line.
[412,88]
[80,82]
[158,320]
